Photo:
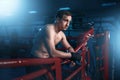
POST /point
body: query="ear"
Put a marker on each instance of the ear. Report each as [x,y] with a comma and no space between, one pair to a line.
[57,19]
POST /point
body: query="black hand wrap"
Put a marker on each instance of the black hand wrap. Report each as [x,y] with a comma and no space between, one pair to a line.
[75,56]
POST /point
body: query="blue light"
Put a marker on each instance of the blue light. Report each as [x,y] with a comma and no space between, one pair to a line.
[64,8]
[32,12]
[109,4]
[8,7]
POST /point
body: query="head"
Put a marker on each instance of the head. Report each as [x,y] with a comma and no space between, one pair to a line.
[63,19]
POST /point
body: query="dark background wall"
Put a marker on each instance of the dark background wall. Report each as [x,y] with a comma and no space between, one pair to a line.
[18,30]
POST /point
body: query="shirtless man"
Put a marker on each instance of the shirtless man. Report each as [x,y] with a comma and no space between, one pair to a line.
[51,35]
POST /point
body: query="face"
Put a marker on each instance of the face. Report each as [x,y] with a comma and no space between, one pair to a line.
[64,22]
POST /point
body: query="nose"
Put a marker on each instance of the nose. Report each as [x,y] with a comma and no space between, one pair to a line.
[67,23]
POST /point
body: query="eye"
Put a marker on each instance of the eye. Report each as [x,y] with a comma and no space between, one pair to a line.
[66,20]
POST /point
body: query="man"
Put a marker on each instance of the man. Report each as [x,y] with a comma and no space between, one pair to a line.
[48,37]
[51,35]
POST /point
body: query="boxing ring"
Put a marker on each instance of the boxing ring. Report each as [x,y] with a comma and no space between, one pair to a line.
[104,58]
[57,63]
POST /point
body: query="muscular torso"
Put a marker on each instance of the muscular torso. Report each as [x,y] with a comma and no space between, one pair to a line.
[39,49]
[57,38]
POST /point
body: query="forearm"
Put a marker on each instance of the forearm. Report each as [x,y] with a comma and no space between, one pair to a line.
[61,54]
[71,55]
[70,49]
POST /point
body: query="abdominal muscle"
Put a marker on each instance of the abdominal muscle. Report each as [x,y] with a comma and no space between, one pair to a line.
[41,54]
[40,51]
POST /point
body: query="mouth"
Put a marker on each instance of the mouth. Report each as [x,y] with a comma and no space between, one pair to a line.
[66,28]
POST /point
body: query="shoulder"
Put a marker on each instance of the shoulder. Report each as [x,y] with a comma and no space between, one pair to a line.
[49,27]
[62,34]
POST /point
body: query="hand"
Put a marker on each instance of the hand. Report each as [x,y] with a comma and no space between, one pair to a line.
[75,56]
[85,43]
[72,64]
[89,35]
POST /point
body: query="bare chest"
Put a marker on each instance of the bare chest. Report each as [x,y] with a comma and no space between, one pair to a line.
[57,38]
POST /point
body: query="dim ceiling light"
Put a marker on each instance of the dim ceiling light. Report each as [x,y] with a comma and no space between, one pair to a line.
[32,12]
[64,8]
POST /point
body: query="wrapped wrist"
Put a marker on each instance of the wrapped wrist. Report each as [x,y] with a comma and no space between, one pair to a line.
[75,56]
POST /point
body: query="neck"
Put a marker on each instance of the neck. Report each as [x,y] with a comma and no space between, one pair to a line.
[56,26]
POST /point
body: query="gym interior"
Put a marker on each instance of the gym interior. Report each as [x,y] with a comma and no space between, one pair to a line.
[21,20]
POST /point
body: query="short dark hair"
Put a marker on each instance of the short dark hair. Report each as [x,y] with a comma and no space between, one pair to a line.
[60,13]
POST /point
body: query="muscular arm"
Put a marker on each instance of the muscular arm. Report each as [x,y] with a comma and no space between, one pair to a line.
[50,45]
[66,44]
